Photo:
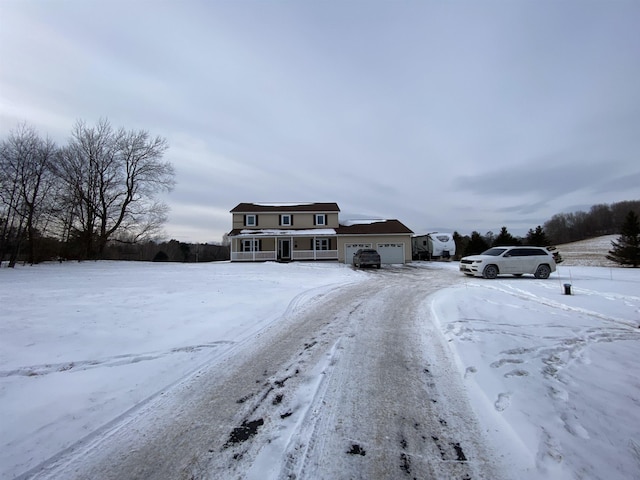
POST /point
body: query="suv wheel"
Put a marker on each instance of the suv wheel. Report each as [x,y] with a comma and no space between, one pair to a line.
[490,271]
[543,271]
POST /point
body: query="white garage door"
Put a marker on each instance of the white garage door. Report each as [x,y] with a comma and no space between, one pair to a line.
[391,252]
[351,248]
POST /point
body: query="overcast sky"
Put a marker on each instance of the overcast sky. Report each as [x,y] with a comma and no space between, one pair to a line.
[445,115]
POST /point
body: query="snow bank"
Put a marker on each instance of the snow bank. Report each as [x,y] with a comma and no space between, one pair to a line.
[553,377]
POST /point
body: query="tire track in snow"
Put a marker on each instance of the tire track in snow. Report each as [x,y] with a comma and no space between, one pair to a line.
[516,292]
[114,361]
[180,433]
[356,382]
[392,406]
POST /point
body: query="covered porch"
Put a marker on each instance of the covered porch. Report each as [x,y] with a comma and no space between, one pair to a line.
[291,246]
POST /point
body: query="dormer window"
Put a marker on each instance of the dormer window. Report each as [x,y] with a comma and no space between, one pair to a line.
[250,220]
[320,219]
[286,220]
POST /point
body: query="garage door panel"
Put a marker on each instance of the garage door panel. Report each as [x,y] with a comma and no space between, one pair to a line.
[391,252]
[351,248]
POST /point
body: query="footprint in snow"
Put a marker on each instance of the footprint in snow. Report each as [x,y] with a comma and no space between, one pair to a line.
[573,426]
[503,361]
[503,402]
[558,394]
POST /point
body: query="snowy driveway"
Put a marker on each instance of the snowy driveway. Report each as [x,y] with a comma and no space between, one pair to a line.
[353,383]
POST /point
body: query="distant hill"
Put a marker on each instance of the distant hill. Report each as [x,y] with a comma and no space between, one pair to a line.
[591,252]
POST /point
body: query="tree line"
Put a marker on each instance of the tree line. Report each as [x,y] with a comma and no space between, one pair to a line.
[171,251]
[73,201]
[477,243]
[97,198]
[602,219]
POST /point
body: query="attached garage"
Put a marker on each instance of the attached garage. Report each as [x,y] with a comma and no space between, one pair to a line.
[391,252]
[351,248]
[390,238]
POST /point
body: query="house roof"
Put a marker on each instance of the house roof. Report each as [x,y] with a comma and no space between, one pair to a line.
[285,207]
[373,227]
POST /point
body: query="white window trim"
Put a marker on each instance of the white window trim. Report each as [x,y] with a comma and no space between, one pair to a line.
[322,244]
[250,221]
[321,219]
[250,245]
[289,221]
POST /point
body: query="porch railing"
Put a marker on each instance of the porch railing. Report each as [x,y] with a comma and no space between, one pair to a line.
[253,256]
[265,256]
[315,255]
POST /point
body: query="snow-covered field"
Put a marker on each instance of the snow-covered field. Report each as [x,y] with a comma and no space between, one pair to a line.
[552,378]
[591,252]
[83,343]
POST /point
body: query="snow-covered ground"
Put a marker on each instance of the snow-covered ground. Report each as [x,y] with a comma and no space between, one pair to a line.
[552,377]
[83,343]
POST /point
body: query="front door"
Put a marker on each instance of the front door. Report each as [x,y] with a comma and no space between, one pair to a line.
[284,249]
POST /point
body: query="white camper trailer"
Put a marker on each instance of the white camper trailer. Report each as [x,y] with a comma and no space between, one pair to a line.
[433,246]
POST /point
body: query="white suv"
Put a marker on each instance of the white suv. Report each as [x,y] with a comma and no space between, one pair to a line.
[517,261]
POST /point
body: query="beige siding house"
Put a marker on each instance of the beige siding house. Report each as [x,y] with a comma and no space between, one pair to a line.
[311,231]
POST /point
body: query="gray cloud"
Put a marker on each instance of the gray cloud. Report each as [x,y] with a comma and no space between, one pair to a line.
[546,177]
[401,110]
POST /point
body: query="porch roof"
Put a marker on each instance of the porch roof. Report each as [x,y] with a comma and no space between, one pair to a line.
[278,232]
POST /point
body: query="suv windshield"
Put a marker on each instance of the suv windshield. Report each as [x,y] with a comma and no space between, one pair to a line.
[494,252]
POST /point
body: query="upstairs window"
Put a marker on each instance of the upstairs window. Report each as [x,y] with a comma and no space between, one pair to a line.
[286,220]
[320,219]
[250,220]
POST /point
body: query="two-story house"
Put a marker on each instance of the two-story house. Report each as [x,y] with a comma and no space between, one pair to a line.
[311,231]
[283,232]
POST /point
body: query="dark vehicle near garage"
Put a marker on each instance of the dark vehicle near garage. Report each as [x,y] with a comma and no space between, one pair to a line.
[366,257]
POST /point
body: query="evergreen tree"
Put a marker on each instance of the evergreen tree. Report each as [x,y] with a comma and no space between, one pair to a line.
[476,244]
[461,243]
[504,238]
[626,251]
[538,237]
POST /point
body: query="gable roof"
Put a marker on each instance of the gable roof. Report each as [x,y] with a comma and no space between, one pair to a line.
[373,227]
[285,207]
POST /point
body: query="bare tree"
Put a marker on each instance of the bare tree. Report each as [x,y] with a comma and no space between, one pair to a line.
[111,179]
[24,189]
